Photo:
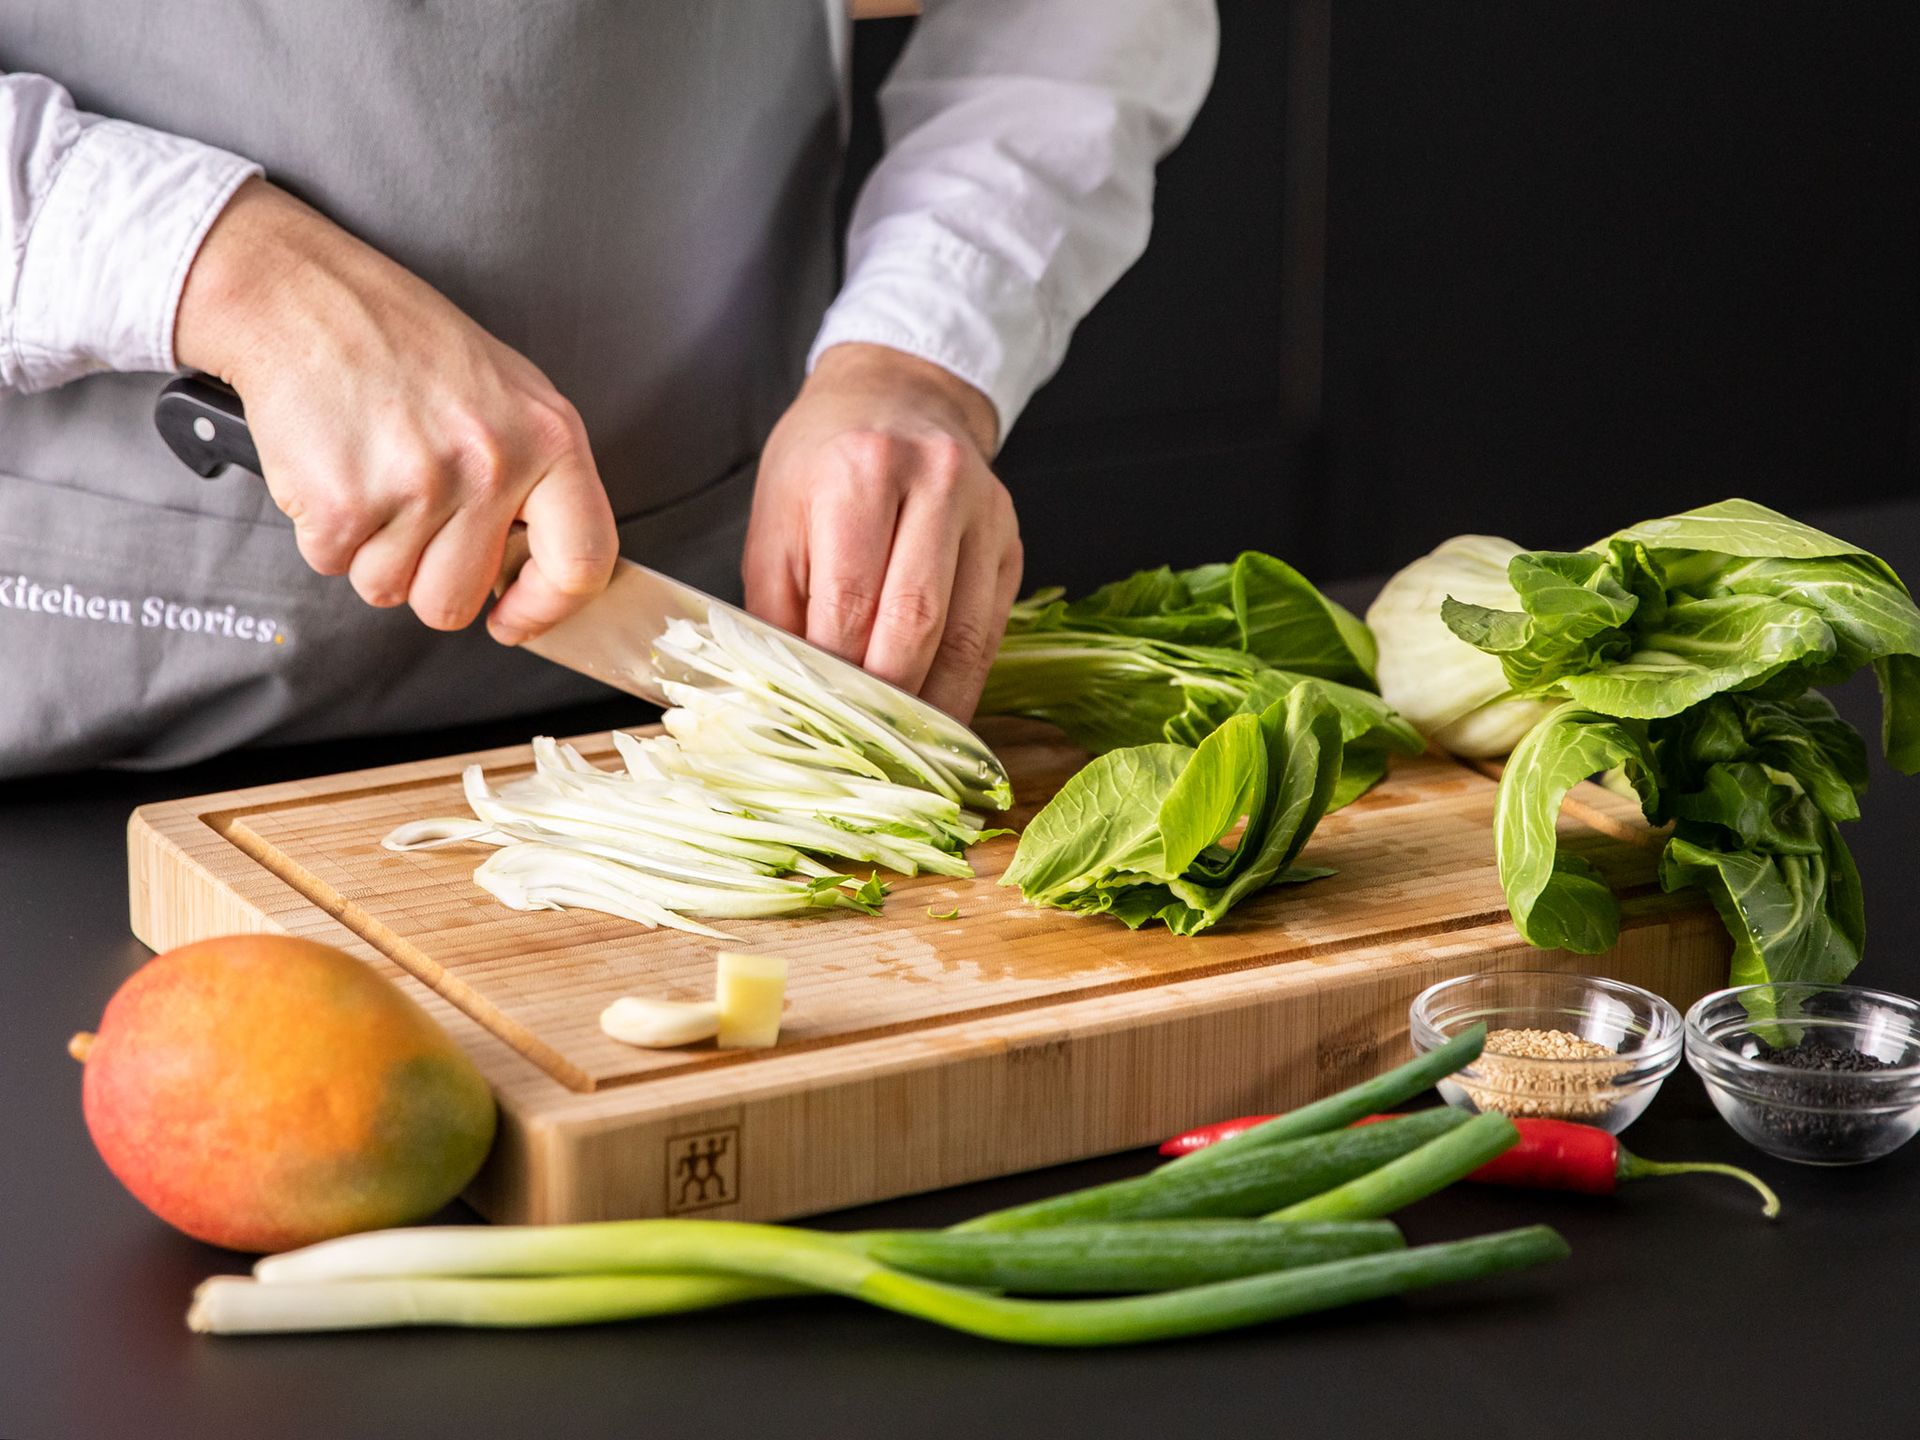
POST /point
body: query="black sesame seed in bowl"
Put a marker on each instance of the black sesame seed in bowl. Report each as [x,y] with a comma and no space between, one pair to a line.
[1820,1074]
[1820,1055]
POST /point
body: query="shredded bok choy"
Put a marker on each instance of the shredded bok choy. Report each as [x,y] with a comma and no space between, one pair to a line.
[765,789]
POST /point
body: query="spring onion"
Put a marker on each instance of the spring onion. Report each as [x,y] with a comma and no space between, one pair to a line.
[1248,1162]
[1175,1277]
[1124,1258]
[1356,1102]
[1412,1176]
[1067,1259]
[1244,1183]
[235,1305]
[355,1283]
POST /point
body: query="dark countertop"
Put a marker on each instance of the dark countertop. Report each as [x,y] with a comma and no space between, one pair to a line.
[1681,1310]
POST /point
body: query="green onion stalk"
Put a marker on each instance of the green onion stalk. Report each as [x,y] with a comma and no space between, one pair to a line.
[304,1290]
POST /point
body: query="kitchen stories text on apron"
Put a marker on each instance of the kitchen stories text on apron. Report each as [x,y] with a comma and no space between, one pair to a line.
[151,612]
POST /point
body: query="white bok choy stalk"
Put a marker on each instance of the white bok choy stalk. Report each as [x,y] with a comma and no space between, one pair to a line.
[1455,695]
[736,813]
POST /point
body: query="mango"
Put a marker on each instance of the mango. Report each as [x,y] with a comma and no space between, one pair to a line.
[261,1093]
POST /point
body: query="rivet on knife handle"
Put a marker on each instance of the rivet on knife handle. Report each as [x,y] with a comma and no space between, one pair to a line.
[204,423]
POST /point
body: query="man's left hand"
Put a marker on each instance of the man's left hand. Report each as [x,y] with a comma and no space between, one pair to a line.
[879,529]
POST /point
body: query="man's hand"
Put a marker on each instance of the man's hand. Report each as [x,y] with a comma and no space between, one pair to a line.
[878,530]
[400,438]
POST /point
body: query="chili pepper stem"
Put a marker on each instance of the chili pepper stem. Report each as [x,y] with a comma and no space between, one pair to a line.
[1632,1167]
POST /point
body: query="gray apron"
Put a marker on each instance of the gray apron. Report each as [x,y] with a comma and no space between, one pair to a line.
[636,194]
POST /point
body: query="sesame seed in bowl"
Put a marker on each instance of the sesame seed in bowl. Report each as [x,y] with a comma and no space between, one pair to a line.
[1559,1046]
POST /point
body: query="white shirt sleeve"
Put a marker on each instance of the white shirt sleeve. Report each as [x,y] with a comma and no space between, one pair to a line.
[1017,183]
[99,221]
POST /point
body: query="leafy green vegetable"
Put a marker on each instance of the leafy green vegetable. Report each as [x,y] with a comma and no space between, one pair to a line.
[1108,690]
[1737,527]
[1291,625]
[1803,737]
[1258,605]
[1701,649]
[1685,650]
[1793,916]
[1139,833]
[1559,901]
[1575,611]
[1168,655]
[1369,728]
[1758,791]
[1667,613]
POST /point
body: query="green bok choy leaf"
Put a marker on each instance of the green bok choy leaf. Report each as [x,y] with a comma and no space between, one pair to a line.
[1139,833]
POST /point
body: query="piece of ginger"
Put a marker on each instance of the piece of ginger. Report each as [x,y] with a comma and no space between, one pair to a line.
[751,991]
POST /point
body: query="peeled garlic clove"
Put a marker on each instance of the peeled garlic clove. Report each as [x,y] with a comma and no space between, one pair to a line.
[660,1024]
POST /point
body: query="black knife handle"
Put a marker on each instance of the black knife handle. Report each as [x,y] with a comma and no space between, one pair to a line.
[204,423]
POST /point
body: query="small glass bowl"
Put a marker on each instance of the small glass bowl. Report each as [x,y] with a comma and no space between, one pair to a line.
[1815,1117]
[1641,1028]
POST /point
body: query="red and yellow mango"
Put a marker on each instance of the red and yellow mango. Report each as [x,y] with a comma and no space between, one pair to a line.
[262,1093]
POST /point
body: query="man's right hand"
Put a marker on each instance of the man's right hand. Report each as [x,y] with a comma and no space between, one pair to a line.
[400,438]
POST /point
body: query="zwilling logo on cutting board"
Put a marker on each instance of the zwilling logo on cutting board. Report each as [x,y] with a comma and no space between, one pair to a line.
[703,1170]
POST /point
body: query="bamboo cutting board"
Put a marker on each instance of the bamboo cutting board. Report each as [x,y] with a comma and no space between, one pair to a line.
[917,1052]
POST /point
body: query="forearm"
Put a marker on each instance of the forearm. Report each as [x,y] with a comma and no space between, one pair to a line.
[272,267]
[99,222]
[1018,180]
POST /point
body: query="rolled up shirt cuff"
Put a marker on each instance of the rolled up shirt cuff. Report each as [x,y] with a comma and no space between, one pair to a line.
[919,288]
[108,253]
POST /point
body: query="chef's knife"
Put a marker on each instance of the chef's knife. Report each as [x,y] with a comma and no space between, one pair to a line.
[611,638]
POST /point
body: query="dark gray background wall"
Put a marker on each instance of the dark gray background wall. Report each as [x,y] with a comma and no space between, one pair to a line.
[1585,263]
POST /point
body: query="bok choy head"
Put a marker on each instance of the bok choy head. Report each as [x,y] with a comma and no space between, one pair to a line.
[1681,655]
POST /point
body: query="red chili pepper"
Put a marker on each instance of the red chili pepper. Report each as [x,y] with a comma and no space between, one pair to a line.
[1551,1155]
[1213,1134]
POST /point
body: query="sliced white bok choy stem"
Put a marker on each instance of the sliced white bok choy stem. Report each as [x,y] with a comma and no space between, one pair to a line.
[550,877]
[766,785]
[780,681]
